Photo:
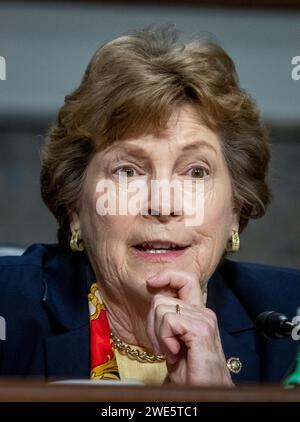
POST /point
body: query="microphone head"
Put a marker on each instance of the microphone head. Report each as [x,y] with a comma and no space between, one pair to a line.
[273,324]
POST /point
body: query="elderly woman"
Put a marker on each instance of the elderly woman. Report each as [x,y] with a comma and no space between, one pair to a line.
[146,292]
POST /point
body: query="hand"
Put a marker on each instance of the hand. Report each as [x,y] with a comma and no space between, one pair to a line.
[190,339]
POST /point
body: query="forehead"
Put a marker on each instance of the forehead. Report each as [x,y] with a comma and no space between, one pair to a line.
[185,132]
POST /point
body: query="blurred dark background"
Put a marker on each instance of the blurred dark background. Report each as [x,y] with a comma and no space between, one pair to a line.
[47,46]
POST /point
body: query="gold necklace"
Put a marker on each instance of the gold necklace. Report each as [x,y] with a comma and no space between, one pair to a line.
[135,354]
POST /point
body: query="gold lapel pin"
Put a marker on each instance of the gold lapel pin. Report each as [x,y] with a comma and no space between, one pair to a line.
[234,365]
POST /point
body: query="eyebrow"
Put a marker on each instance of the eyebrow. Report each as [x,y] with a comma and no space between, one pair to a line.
[197,144]
[135,151]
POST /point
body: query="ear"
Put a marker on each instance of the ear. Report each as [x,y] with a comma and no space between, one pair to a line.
[75,222]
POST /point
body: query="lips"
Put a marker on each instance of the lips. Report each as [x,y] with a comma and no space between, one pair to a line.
[159,246]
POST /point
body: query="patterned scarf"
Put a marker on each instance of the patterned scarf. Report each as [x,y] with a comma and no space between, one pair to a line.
[103,360]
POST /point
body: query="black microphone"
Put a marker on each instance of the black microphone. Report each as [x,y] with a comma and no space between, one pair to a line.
[274,325]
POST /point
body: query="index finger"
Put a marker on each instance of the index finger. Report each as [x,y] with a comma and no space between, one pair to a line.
[186,284]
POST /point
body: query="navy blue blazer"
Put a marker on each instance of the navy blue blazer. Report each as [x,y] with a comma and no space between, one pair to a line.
[43,298]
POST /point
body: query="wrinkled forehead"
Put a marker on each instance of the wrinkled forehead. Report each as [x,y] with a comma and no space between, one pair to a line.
[184,132]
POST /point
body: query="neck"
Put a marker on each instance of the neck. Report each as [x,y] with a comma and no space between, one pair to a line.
[131,330]
[127,320]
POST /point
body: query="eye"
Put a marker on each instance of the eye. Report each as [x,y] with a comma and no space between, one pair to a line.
[126,171]
[198,172]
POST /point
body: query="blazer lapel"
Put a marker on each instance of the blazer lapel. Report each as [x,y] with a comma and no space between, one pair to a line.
[67,278]
[236,329]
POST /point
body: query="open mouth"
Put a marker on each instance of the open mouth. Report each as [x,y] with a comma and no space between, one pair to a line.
[159,247]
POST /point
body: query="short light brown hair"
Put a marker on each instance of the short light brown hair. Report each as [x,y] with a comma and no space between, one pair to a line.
[131,87]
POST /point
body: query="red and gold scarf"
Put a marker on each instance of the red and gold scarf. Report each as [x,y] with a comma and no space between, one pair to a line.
[103,360]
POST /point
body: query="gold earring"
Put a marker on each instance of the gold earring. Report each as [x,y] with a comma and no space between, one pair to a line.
[76,244]
[234,244]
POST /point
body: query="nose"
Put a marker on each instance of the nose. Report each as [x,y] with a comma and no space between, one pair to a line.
[163,218]
[163,202]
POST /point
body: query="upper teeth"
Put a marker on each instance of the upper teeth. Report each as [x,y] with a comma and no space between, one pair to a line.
[157,250]
[159,245]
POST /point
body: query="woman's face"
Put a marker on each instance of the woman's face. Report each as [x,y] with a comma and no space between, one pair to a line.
[127,249]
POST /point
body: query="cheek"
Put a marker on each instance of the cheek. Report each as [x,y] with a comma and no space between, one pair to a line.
[218,209]
[106,228]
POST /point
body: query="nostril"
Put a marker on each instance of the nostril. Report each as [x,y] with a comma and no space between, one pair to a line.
[155,212]
[152,211]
